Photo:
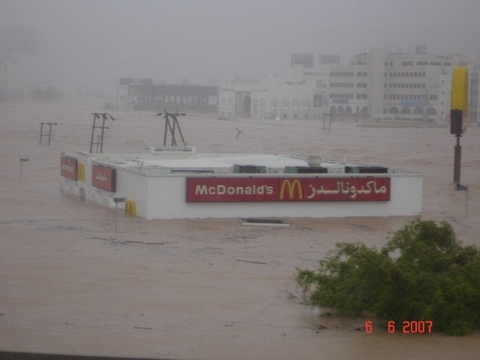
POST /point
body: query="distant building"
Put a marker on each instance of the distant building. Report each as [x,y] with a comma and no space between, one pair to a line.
[380,84]
[143,94]
[12,76]
[306,60]
[301,95]
[474,93]
[328,59]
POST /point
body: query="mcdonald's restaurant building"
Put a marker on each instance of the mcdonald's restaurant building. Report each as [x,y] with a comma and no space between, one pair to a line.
[169,183]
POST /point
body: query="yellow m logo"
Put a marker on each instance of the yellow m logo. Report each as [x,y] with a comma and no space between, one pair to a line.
[291,189]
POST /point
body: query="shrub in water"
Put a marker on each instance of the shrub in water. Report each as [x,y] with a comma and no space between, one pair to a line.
[422,273]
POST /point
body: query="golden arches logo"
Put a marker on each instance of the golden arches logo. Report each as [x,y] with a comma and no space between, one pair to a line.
[291,189]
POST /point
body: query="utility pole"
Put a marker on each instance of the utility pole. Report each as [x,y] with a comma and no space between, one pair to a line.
[171,126]
[49,135]
[104,117]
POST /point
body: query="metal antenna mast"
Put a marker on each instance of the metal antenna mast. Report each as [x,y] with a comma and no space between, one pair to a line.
[171,125]
[99,143]
[49,135]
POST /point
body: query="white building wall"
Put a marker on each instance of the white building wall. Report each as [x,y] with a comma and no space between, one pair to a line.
[274,96]
[395,87]
[377,81]
[444,98]
[350,90]
[132,187]
[167,200]
[474,94]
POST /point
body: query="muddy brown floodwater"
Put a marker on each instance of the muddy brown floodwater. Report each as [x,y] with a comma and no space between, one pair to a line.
[200,289]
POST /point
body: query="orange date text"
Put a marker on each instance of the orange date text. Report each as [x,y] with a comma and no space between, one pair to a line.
[407,327]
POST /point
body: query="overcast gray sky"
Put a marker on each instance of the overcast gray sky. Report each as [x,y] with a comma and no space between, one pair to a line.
[94,42]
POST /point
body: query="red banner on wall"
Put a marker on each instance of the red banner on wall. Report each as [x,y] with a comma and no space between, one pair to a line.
[68,167]
[288,189]
[104,178]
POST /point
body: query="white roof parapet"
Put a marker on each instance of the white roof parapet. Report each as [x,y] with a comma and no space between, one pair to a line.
[174,149]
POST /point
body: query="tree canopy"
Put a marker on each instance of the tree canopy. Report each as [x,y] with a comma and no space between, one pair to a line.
[422,273]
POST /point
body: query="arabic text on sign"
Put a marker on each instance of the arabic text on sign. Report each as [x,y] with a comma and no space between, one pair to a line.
[101,177]
[345,188]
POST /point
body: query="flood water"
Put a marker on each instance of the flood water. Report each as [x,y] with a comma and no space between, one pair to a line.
[200,289]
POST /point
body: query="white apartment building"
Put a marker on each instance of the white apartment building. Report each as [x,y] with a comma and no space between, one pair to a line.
[301,95]
[378,84]
[474,95]
[385,85]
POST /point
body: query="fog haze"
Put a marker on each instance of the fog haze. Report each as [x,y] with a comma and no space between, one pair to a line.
[91,43]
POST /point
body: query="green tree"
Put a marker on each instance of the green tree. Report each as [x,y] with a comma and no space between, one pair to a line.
[422,273]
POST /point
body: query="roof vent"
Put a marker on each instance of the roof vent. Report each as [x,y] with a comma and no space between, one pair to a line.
[248,169]
[314,160]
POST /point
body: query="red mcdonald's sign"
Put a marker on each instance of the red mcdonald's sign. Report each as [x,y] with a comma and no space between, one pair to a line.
[288,189]
[68,167]
[104,178]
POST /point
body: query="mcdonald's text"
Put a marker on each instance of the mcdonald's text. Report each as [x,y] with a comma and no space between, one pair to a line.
[297,189]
